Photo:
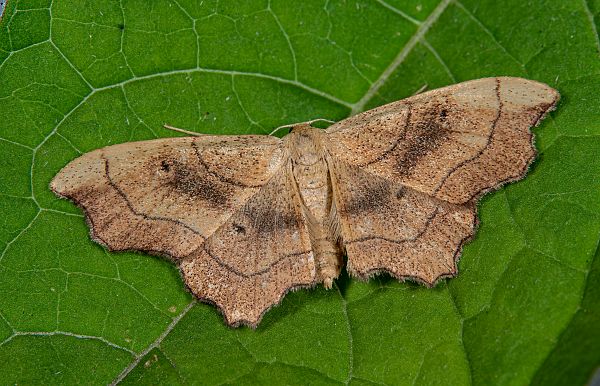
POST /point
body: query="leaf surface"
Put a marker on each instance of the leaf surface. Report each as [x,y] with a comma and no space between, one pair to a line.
[77,76]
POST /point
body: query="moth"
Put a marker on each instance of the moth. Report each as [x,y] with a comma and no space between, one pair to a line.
[248,218]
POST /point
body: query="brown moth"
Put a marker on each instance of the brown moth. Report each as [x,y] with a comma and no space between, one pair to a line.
[248,218]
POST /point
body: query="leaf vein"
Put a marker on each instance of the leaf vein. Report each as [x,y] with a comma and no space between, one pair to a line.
[590,17]
[399,59]
[156,343]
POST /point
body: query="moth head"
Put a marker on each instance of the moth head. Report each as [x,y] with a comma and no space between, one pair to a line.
[301,128]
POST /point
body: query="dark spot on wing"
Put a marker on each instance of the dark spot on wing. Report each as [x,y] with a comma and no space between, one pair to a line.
[196,183]
[267,217]
[400,193]
[427,133]
[367,194]
[164,166]
[121,26]
[239,229]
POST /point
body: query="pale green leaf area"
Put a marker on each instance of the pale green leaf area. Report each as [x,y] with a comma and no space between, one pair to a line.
[79,75]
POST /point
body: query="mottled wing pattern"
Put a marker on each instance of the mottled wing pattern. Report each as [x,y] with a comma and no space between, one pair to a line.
[453,143]
[409,173]
[223,206]
[256,256]
[167,196]
[386,226]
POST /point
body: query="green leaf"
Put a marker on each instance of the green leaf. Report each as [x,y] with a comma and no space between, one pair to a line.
[76,76]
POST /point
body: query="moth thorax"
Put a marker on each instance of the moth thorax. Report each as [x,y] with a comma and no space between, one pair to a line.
[310,170]
[305,145]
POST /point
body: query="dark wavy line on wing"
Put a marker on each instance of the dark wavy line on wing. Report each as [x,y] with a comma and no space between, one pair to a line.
[134,211]
[399,241]
[523,170]
[219,176]
[483,149]
[387,152]
[247,275]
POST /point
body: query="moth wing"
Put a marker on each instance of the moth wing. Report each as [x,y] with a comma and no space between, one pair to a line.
[386,226]
[167,196]
[406,175]
[254,258]
[453,143]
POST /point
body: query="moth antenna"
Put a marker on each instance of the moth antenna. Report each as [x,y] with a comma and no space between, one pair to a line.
[420,90]
[280,127]
[182,131]
[319,120]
